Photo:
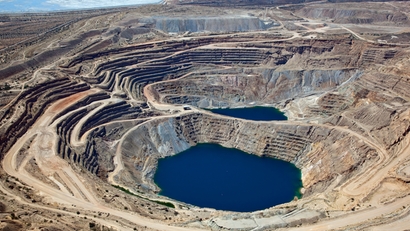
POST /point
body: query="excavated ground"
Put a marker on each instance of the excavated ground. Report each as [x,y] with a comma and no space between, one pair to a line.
[88,110]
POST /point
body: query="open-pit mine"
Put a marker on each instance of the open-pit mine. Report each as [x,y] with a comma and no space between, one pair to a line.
[92,100]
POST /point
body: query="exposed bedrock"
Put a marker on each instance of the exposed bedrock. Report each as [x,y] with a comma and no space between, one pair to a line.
[30,105]
[93,116]
[212,24]
[291,69]
[64,147]
[160,48]
[246,86]
[82,103]
[102,143]
[285,67]
[386,125]
[113,112]
[354,13]
[132,81]
[47,56]
[316,150]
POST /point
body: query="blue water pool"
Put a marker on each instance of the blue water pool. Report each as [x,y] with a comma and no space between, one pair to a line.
[209,175]
[253,113]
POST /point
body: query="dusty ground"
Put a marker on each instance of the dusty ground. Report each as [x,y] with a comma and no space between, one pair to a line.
[73,101]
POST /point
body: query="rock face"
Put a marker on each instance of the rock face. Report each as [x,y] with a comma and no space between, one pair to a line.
[114,106]
[355,13]
[143,146]
[344,100]
[209,90]
[35,101]
[210,24]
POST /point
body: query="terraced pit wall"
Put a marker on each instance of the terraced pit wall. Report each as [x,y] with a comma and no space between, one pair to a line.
[30,105]
[227,88]
[210,24]
[297,144]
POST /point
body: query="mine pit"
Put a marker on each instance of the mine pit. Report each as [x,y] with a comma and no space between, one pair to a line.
[209,175]
[95,103]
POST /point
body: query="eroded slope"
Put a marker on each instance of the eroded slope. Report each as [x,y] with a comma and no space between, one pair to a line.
[110,100]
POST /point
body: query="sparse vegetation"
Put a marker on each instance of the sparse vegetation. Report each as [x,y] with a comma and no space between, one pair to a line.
[340,70]
[167,204]
[6,87]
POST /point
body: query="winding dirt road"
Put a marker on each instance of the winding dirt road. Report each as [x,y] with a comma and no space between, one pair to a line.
[49,162]
[79,194]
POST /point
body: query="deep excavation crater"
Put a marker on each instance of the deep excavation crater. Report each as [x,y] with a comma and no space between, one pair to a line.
[330,147]
[90,107]
[143,146]
[212,176]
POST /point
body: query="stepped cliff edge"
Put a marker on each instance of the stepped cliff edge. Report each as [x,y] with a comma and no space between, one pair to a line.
[91,99]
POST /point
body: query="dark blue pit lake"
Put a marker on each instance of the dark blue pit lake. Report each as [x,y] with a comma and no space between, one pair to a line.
[252,113]
[212,176]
